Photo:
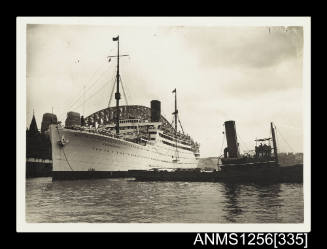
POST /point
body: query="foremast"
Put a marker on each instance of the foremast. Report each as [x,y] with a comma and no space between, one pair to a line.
[117,94]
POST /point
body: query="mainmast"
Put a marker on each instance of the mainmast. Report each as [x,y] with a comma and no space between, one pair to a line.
[175,113]
[274,141]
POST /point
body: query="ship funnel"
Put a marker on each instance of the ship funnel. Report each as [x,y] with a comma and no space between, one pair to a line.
[155,110]
[83,123]
[231,137]
[47,119]
[73,118]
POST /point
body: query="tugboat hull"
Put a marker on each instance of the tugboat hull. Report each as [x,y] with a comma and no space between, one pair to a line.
[252,174]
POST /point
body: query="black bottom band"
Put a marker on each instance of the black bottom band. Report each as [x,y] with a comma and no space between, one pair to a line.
[273,175]
[77,175]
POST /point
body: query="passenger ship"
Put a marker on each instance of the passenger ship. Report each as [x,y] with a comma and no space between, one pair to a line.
[117,139]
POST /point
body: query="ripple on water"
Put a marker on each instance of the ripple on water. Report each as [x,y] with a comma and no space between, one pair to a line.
[124,201]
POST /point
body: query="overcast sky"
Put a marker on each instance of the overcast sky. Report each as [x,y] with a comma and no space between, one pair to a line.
[252,75]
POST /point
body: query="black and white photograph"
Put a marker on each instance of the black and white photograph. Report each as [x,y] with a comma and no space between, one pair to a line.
[163,124]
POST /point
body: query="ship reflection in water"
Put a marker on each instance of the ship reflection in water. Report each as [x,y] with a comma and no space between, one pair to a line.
[263,203]
[124,201]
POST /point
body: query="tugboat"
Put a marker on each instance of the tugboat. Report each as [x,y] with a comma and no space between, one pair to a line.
[262,166]
[263,152]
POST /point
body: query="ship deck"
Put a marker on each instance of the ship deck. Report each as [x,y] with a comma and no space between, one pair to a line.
[293,174]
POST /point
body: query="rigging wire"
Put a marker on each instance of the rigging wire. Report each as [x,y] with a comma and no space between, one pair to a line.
[90,86]
[130,97]
[87,99]
[276,137]
[243,143]
[180,124]
[96,80]
[95,73]
[81,95]
[172,122]
[122,86]
[102,87]
[105,71]
[222,145]
[77,103]
[285,140]
[112,91]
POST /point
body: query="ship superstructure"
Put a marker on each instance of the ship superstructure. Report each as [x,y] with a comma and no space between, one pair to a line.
[116,139]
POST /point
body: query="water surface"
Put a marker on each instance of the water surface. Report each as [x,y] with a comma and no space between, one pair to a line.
[125,201]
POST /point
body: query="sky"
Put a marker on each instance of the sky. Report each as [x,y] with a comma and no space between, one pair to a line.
[252,75]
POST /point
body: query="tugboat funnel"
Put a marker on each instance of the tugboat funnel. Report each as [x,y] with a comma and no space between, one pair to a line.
[231,137]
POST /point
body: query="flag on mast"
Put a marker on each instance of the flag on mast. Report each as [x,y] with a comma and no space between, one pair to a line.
[174,90]
[115,38]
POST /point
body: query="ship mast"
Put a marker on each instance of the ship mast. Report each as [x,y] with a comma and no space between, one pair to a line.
[175,113]
[274,141]
[117,94]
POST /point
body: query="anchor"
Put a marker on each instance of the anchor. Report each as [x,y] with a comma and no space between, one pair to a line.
[62,141]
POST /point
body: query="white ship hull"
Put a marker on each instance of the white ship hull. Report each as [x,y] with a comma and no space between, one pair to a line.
[88,154]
